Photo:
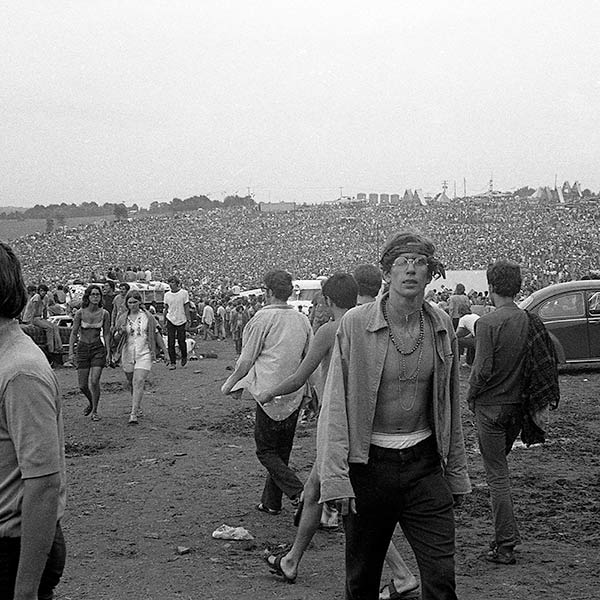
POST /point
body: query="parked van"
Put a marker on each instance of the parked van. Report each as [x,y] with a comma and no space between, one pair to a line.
[304,293]
[302,296]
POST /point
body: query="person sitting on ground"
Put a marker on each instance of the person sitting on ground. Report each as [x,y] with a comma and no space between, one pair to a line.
[37,312]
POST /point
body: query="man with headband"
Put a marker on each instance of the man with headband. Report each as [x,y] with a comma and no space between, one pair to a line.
[390,444]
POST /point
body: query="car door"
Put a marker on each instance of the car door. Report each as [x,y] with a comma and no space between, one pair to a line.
[565,317]
[593,307]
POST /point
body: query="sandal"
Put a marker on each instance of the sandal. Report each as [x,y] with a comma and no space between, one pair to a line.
[95,417]
[298,507]
[274,562]
[87,410]
[394,594]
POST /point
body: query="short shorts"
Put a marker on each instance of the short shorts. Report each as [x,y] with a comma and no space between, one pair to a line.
[91,355]
[131,362]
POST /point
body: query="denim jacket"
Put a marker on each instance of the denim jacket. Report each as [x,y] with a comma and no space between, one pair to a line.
[350,398]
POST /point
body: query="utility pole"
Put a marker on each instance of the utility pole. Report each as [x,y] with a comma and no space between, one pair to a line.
[465,186]
[455,189]
[341,190]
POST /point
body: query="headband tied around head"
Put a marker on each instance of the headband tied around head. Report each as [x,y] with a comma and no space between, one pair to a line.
[408,242]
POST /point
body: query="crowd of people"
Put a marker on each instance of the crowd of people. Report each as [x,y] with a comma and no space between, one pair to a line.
[218,249]
[390,447]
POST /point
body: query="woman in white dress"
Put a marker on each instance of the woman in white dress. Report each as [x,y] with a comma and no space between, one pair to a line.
[137,329]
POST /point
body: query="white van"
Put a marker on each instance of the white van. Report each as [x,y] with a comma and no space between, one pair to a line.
[302,295]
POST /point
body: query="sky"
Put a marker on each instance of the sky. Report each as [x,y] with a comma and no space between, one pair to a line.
[142,101]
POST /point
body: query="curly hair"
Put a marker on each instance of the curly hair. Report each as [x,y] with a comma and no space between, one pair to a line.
[85,300]
[280,283]
[505,277]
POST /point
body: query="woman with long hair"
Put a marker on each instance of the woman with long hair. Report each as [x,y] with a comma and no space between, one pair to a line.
[136,328]
[91,332]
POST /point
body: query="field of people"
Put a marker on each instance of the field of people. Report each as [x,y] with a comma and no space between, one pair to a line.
[144,500]
[211,250]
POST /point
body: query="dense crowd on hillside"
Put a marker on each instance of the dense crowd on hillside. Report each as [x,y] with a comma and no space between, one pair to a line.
[214,249]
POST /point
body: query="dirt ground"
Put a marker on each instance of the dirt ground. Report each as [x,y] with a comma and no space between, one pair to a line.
[136,494]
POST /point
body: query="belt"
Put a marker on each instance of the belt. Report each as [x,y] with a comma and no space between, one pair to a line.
[404,455]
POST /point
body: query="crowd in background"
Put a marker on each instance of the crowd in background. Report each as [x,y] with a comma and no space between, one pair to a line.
[213,251]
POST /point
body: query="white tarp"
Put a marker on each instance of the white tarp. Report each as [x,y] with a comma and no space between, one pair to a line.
[472,280]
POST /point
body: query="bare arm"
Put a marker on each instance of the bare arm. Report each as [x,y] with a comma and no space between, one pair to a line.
[39,511]
[106,333]
[241,370]
[320,345]
[74,332]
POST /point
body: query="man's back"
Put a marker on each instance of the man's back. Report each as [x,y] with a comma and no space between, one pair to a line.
[497,369]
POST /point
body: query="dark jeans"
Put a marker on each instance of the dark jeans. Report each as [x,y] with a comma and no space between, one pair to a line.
[405,487]
[176,332]
[497,429]
[467,342]
[9,562]
[274,441]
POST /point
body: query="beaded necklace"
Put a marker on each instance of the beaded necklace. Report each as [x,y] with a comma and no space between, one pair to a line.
[135,325]
[403,375]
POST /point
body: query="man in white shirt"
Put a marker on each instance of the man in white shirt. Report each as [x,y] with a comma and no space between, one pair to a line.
[177,316]
[275,341]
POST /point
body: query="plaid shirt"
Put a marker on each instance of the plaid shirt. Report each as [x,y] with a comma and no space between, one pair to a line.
[540,380]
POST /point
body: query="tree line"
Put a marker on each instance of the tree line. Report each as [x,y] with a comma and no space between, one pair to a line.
[60,212]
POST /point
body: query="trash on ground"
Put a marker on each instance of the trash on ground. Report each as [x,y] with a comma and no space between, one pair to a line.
[225,532]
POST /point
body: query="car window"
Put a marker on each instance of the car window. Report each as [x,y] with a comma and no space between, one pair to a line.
[594,304]
[569,305]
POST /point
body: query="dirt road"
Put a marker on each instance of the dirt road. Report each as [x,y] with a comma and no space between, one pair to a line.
[136,494]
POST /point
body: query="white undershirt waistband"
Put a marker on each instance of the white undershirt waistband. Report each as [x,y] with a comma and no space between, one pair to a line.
[399,440]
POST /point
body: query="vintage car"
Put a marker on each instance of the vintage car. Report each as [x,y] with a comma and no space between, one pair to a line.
[571,313]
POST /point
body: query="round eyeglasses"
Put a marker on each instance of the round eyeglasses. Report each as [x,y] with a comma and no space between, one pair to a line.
[404,261]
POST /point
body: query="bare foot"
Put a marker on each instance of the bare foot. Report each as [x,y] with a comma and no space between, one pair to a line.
[280,565]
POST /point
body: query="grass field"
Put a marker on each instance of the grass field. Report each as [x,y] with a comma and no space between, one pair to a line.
[11,230]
